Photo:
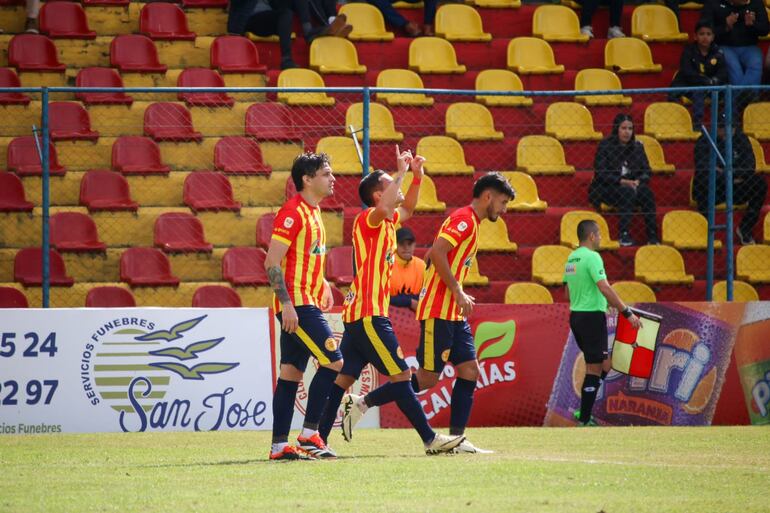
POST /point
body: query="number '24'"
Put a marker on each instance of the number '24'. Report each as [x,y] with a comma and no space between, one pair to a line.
[8,345]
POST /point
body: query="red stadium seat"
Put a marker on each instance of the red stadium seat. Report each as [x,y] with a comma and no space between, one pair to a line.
[216,296]
[33,52]
[106,2]
[329,203]
[9,78]
[76,232]
[203,77]
[209,191]
[136,53]
[221,4]
[105,190]
[239,155]
[179,232]
[165,121]
[146,267]
[339,265]
[64,20]
[24,160]
[235,54]
[12,198]
[245,266]
[101,77]
[12,298]
[110,297]
[69,121]
[137,155]
[28,265]
[339,297]
[271,121]
[164,21]
[265,230]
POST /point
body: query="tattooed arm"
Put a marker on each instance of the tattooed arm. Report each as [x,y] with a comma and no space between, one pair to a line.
[275,254]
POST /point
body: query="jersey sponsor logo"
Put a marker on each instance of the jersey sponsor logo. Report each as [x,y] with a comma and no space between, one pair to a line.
[570,269]
[288,222]
[317,248]
[462,226]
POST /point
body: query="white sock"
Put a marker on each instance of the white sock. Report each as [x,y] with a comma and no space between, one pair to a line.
[278,447]
[307,433]
[361,404]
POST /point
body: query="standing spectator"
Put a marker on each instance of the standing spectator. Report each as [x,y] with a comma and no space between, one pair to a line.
[263,18]
[587,15]
[408,272]
[622,173]
[394,18]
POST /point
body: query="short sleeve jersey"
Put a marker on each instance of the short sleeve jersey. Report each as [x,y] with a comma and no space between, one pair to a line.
[584,269]
[461,230]
[298,225]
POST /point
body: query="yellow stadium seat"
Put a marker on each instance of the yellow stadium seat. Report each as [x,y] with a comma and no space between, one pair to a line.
[742,292]
[381,126]
[668,121]
[557,23]
[475,278]
[568,121]
[443,156]
[753,263]
[467,121]
[661,264]
[497,4]
[541,155]
[500,80]
[458,22]
[427,201]
[548,264]
[595,79]
[493,236]
[655,155]
[343,155]
[629,55]
[299,77]
[568,230]
[656,23]
[433,55]
[527,198]
[634,292]
[532,56]
[759,156]
[766,230]
[685,229]
[367,21]
[756,120]
[402,78]
[408,5]
[335,55]
[527,293]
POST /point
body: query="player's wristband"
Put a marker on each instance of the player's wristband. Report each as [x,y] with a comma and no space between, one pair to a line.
[627,313]
[416,182]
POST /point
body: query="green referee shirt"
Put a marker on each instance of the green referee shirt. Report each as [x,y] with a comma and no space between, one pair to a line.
[583,271]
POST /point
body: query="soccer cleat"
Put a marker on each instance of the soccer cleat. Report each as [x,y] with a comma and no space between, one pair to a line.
[314,446]
[289,453]
[351,414]
[443,444]
[591,422]
[468,448]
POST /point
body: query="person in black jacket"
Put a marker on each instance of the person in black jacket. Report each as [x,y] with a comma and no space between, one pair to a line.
[263,18]
[622,173]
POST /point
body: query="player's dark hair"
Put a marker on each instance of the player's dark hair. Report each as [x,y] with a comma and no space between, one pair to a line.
[495,181]
[585,228]
[368,186]
[619,119]
[307,164]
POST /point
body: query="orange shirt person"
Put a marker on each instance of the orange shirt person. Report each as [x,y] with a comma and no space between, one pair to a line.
[408,271]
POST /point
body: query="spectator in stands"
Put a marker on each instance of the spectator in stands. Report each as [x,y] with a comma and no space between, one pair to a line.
[263,18]
[395,19]
[33,9]
[408,271]
[587,15]
[324,12]
[622,173]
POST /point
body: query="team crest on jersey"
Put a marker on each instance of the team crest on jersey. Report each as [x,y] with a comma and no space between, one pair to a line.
[330,344]
[317,248]
[462,226]
[288,222]
[445,355]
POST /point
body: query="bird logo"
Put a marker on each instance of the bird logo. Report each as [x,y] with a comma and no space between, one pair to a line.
[174,333]
[196,372]
[190,352]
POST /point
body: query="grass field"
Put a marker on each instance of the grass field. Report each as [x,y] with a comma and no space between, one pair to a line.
[609,470]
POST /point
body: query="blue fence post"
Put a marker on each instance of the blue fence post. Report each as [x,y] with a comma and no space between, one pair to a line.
[46,199]
[728,177]
[365,141]
[711,198]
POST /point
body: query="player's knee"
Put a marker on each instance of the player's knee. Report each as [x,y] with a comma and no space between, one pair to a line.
[426,379]
[290,373]
[468,370]
[335,366]
[344,381]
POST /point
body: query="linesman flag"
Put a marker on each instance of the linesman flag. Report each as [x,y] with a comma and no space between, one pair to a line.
[633,351]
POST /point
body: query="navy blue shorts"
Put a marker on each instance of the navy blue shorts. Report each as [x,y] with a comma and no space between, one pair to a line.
[444,341]
[313,338]
[371,340]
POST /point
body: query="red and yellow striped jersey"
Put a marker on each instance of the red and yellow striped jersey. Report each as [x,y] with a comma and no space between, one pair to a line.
[374,248]
[298,225]
[461,230]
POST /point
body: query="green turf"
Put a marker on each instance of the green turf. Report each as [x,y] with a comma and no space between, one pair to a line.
[637,470]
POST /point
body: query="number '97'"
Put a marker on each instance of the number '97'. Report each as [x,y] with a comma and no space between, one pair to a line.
[28,345]
[34,391]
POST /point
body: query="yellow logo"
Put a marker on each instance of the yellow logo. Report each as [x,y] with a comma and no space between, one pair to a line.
[445,356]
[399,352]
[330,344]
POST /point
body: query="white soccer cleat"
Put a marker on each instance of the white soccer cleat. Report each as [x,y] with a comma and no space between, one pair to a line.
[443,444]
[351,414]
[468,448]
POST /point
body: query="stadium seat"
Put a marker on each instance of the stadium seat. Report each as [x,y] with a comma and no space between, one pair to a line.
[106,190]
[667,121]
[216,296]
[367,21]
[335,55]
[135,53]
[328,204]
[433,55]
[271,121]
[265,230]
[759,156]
[235,54]
[443,156]
[12,298]
[548,264]
[685,229]
[766,230]
[245,266]
[342,151]
[180,232]
[459,22]
[339,265]
[33,52]
[9,78]
[474,278]
[28,268]
[381,125]
[655,155]
[752,263]
[541,155]
[532,56]
[656,23]
[239,155]
[569,121]
[557,23]
[164,21]
[493,236]
[568,229]
[755,121]
[75,232]
[146,267]
[101,77]
[12,198]
[137,155]
[527,198]
[203,77]
[69,121]
[402,78]
[634,292]
[24,159]
[166,121]
[110,297]
[661,265]
[595,79]
[205,190]
[466,121]
[629,55]
[299,77]
[110,3]
[427,200]
[64,20]
[527,293]
[498,4]
[203,4]
[500,80]
[742,292]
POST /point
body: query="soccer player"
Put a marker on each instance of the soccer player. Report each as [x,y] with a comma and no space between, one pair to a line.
[589,291]
[369,336]
[295,266]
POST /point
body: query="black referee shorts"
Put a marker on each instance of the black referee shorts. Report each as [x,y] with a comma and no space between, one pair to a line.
[590,330]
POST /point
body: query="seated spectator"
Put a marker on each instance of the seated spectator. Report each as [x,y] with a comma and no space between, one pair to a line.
[748,187]
[394,18]
[263,18]
[587,15]
[622,173]
[324,12]
[408,272]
